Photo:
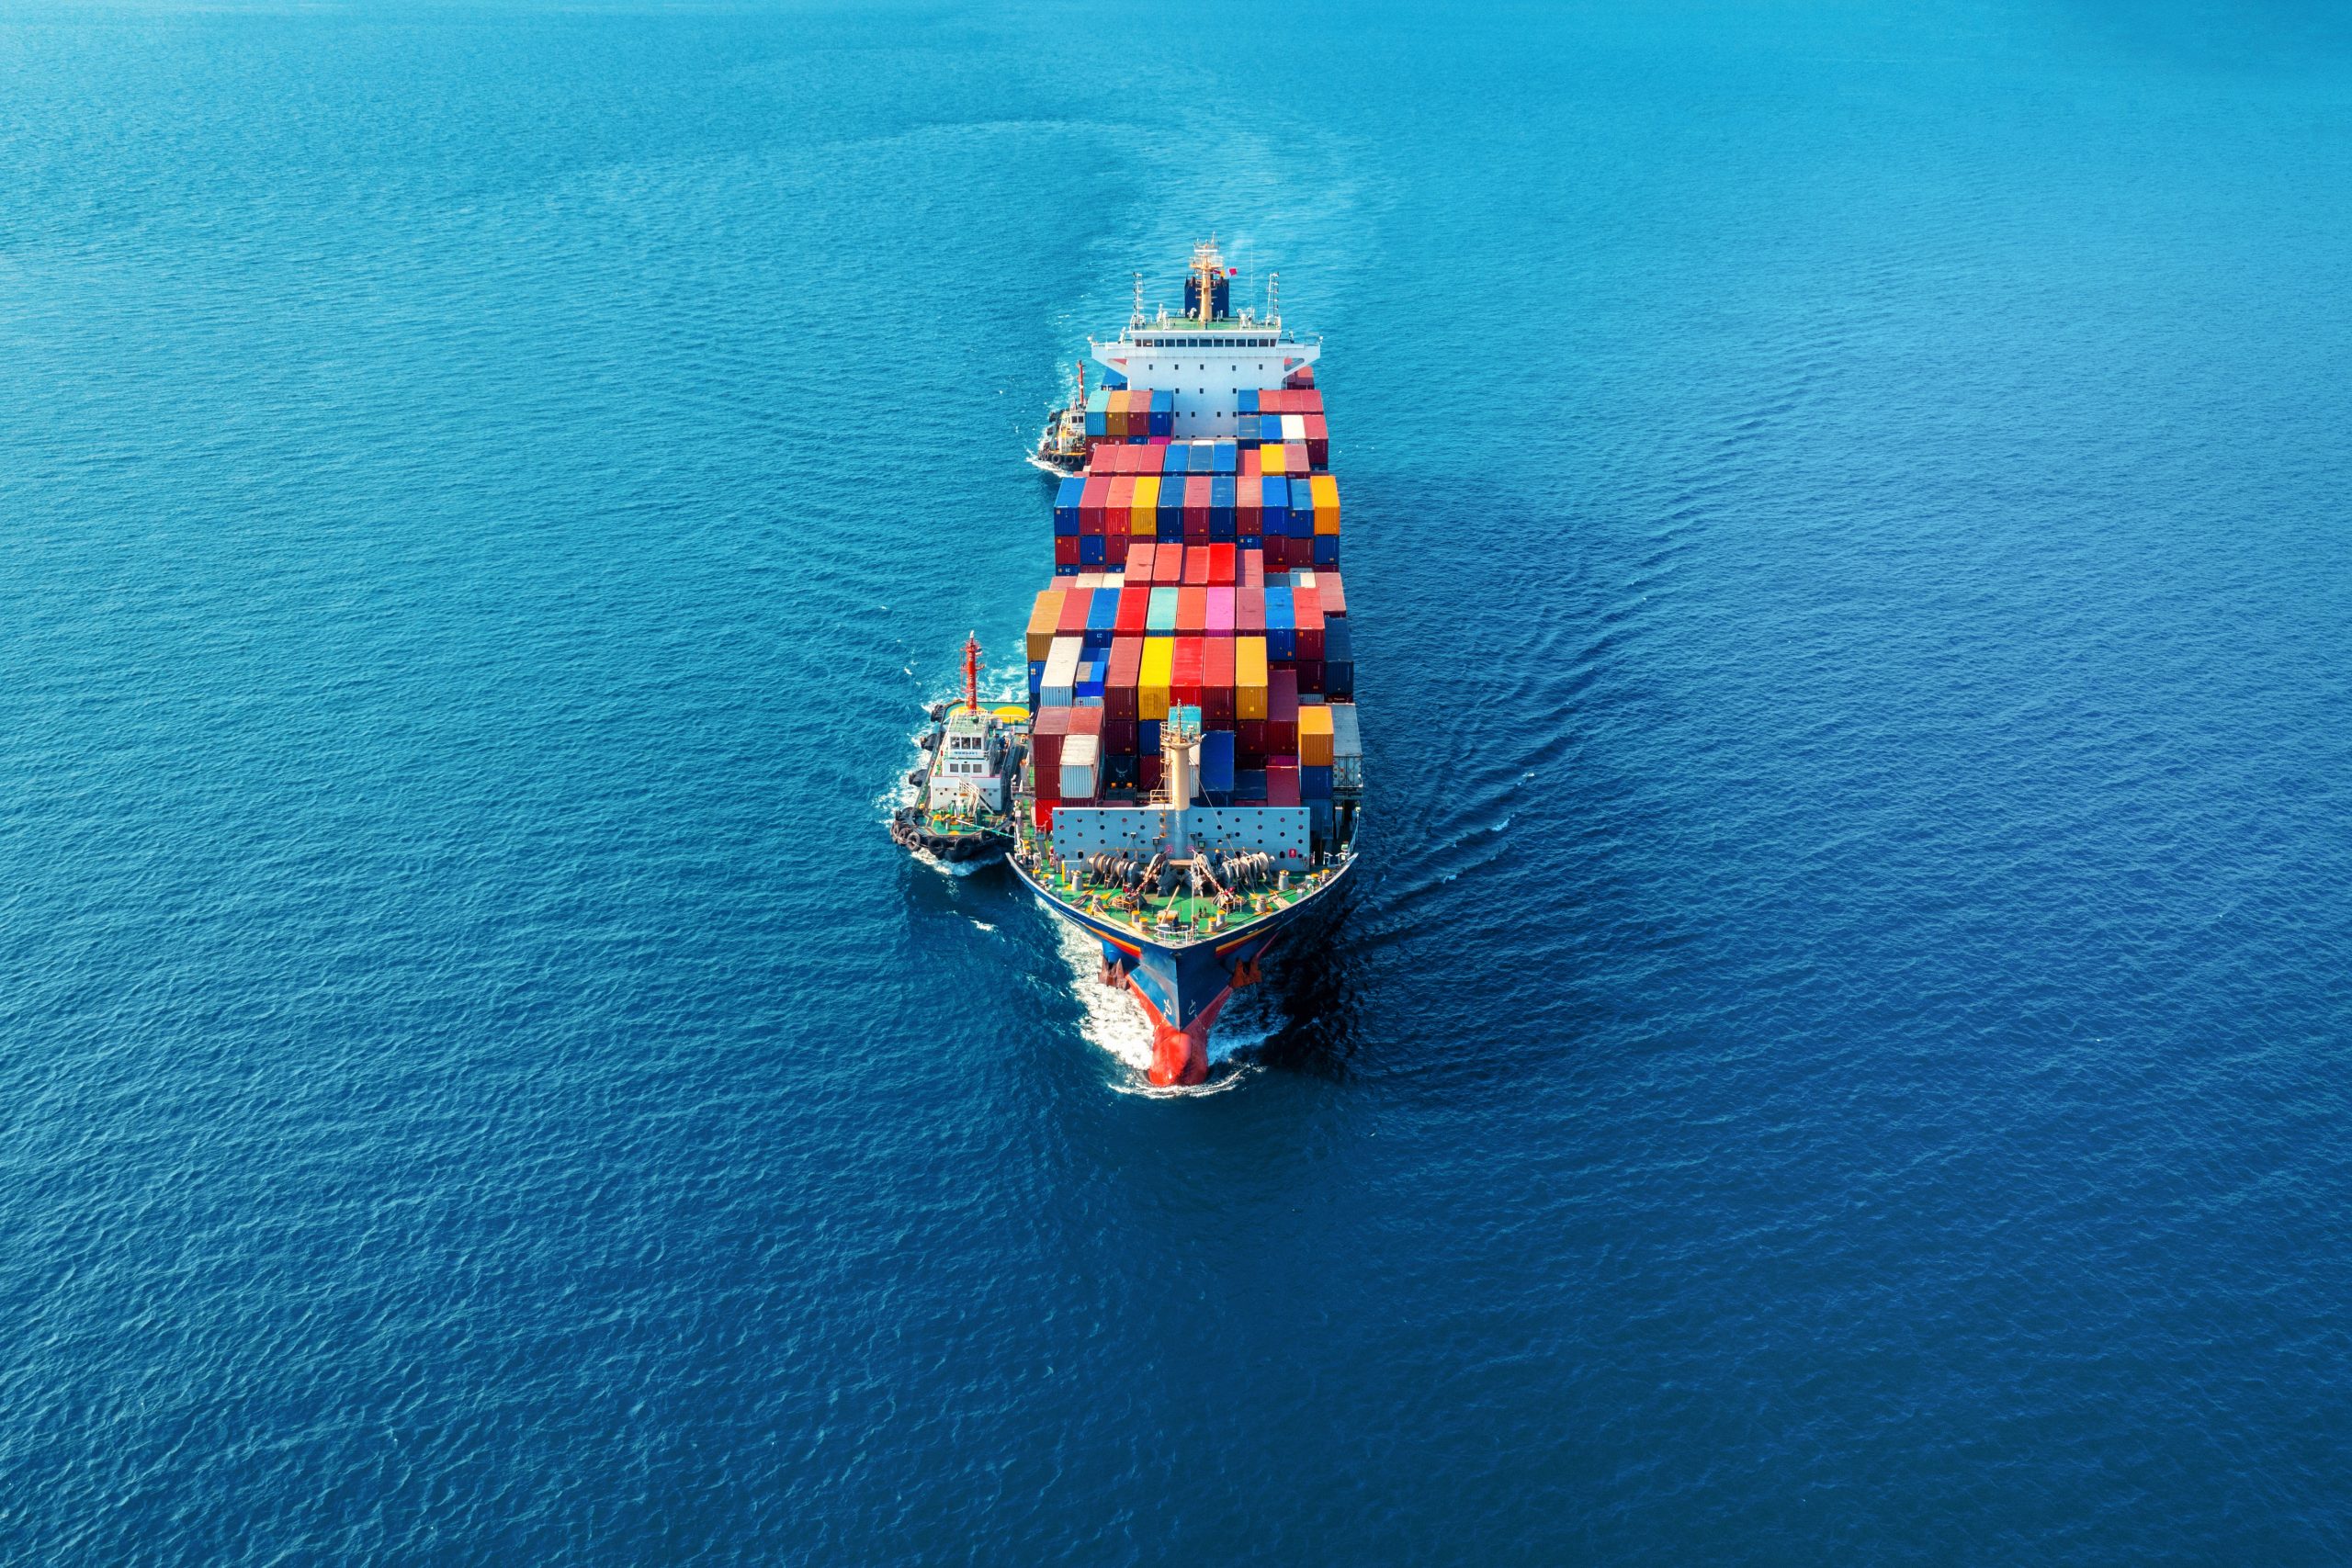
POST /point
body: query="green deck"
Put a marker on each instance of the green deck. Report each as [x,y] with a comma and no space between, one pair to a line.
[1192,916]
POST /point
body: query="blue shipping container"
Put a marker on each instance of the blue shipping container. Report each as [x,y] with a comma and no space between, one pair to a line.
[1177,460]
[1216,762]
[1091,552]
[1314,783]
[1281,624]
[1250,783]
[1223,456]
[1148,737]
[1327,551]
[1248,402]
[1101,615]
[1065,571]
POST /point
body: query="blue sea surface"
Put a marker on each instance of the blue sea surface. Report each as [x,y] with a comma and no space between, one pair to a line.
[1839,1054]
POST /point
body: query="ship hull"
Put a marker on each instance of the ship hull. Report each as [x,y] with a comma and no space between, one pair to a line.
[1182,987]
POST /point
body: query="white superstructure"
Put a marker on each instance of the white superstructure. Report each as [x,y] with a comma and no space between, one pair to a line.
[1202,356]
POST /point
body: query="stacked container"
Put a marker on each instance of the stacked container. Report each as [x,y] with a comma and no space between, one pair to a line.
[1201,574]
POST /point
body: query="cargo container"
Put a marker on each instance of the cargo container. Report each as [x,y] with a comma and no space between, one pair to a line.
[1282,712]
[1280,627]
[1160,616]
[1155,677]
[1347,748]
[1249,678]
[1191,610]
[1187,672]
[1313,736]
[1338,659]
[1122,679]
[1045,619]
[1307,624]
[1220,612]
[1217,672]
[1080,755]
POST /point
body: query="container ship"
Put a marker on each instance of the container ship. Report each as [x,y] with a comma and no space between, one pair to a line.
[1185,783]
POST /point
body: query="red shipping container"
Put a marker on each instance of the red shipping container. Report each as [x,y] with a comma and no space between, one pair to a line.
[1333,592]
[1045,750]
[1066,549]
[1091,503]
[1076,605]
[1119,736]
[1250,738]
[1139,562]
[1310,675]
[1147,770]
[1306,609]
[1191,610]
[1086,720]
[1282,781]
[1248,506]
[1251,465]
[1114,549]
[1115,507]
[1277,552]
[1044,810]
[1168,566]
[1125,670]
[1188,673]
[1196,509]
[1316,429]
[1196,566]
[1270,400]
[1253,569]
[1282,711]
[1216,681]
[1319,455]
[1134,605]
[1221,566]
[1248,612]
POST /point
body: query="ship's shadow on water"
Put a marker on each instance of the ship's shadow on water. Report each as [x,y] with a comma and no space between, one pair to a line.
[1308,1005]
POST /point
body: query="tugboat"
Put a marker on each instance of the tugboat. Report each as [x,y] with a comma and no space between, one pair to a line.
[961,812]
[1061,450]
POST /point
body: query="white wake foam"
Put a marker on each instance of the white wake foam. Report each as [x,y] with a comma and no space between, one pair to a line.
[1115,1023]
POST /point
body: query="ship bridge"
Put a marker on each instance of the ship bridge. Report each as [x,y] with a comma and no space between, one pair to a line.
[1206,357]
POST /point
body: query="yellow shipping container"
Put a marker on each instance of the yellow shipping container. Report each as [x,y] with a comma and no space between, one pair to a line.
[1313,736]
[1159,669]
[1248,677]
[1115,413]
[1270,460]
[1144,520]
[1042,620]
[1327,503]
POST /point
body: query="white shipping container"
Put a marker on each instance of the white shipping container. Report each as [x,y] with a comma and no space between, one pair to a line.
[1294,427]
[1079,755]
[1059,687]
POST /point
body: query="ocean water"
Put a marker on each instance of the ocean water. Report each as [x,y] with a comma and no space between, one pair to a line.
[1841,1053]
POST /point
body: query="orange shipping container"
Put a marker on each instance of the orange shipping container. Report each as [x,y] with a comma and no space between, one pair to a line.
[1044,616]
[1313,736]
[1250,677]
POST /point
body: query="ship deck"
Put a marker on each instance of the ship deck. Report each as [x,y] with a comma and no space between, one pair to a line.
[1179,917]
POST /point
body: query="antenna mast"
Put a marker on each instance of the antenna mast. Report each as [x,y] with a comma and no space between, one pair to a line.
[972,673]
[1137,320]
[1273,298]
